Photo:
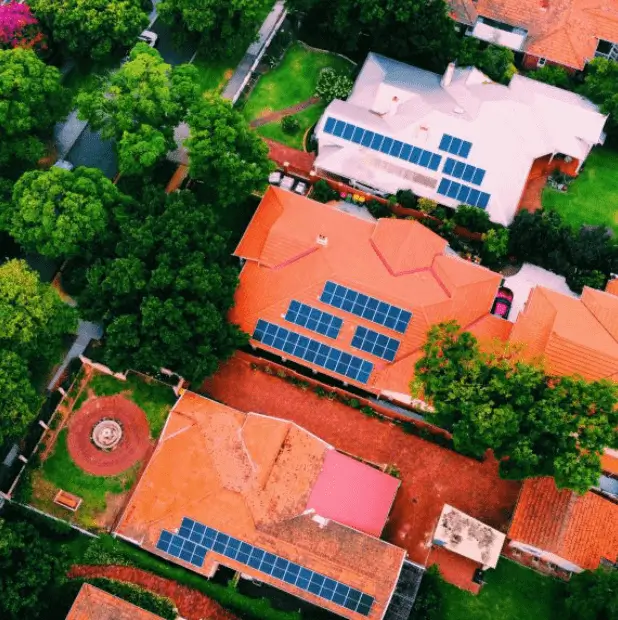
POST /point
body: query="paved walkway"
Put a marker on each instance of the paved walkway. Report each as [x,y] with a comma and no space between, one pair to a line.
[279,114]
[431,476]
[191,604]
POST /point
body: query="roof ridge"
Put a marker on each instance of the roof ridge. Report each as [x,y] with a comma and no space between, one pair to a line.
[566,520]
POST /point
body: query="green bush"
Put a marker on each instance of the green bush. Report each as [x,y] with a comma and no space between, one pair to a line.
[406,198]
[472,218]
[495,247]
[552,75]
[323,192]
[290,124]
[426,205]
[377,209]
[333,85]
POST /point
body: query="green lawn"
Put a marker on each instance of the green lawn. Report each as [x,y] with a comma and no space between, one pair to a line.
[307,118]
[593,197]
[512,592]
[214,74]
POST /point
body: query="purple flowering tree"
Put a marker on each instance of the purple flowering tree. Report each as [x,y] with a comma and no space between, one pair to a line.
[19,28]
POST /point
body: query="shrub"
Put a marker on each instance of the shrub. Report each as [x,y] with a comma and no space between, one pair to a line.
[290,124]
[578,278]
[354,403]
[426,205]
[333,85]
[377,209]
[406,198]
[495,246]
[323,192]
[472,218]
[552,75]
[320,391]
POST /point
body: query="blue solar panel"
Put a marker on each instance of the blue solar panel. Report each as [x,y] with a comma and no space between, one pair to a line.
[311,318]
[348,131]
[339,127]
[405,152]
[367,138]
[313,351]
[460,170]
[377,141]
[375,343]
[187,549]
[358,135]
[456,146]
[329,125]
[385,147]
[463,193]
[369,308]
[479,175]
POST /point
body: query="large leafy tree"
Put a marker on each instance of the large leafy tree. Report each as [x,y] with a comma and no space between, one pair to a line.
[32,100]
[593,595]
[19,28]
[537,425]
[165,294]
[416,31]
[92,28]
[61,214]
[33,319]
[30,570]
[224,154]
[495,61]
[140,107]
[601,85]
[224,26]
[18,398]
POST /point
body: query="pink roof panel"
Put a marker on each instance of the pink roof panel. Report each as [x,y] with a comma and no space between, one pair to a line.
[353,494]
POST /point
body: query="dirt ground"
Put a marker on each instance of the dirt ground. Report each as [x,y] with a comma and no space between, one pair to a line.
[431,476]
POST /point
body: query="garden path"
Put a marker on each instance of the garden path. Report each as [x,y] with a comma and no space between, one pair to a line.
[277,115]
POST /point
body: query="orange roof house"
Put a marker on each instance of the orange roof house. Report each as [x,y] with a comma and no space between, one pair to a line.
[563,32]
[571,531]
[251,492]
[398,278]
[94,604]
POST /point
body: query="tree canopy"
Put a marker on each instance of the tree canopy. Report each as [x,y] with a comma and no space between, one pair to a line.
[601,86]
[537,425]
[140,106]
[32,100]
[19,28]
[224,154]
[223,26]
[164,295]
[593,595]
[61,214]
[92,28]
[496,62]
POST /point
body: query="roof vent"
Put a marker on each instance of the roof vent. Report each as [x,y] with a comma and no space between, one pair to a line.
[544,5]
[447,78]
[321,521]
[458,110]
[322,240]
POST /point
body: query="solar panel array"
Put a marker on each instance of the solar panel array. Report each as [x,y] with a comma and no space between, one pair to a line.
[311,318]
[456,146]
[375,343]
[313,351]
[459,170]
[194,535]
[463,193]
[369,308]
[383,144]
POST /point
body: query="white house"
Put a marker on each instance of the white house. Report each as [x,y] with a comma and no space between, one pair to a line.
[457,138]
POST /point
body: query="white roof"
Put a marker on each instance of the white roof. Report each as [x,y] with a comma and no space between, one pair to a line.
[508,126]
[462,534]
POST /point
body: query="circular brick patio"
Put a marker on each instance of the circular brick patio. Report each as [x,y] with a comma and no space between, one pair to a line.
[134,441]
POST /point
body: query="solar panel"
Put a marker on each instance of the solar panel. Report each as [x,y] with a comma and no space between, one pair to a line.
[369,308]
[375,343]
[313,351]
[197,539]
[460,170]
[464,193]
[456,146]
[383,144]
[311,318]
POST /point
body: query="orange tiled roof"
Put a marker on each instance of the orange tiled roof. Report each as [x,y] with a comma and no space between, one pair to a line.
[251,476]
[572,336]
[612,287]
[563,31]
[94,604]
[398,261]
[579,529]
[609,461]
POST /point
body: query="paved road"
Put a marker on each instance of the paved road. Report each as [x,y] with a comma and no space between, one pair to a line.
[165,45]
[91,151]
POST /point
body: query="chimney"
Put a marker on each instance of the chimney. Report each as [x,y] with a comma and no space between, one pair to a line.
[447,78]
[394,106]
[322,240]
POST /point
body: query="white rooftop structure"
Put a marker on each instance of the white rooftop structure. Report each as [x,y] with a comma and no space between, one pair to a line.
[457,138]
[462,534]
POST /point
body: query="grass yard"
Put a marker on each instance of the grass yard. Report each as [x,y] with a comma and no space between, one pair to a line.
[593,197]
[307,118]
[512,592]
[214,74]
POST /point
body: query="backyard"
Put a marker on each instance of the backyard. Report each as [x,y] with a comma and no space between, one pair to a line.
[289,84]
[592,198]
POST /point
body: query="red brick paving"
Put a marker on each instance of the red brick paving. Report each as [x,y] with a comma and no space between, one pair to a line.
[431,475]
[191,604]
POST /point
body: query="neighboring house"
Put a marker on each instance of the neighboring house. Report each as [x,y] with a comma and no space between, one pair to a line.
[569,33]
[352,297]
[94,604]
[572,532]
[457,139]
[270,500]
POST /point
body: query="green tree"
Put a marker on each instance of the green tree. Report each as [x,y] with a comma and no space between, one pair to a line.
[61,214]
[601,86]
[30,570]
[472,218]
[92,28]
[32,100]
[416,31]
[33,319]
[494,61]
[224,154]
[495,246]
[223,26]
[165,295]
[140,107]
[593,595]
[333,85]
[553,75]
[536,425]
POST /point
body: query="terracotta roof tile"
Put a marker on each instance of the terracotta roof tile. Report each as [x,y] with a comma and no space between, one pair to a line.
[612,287]
[579,529]
[609,462]
[251,477]
[94,604]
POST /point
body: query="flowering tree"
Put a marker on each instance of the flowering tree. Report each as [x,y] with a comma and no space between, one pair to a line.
[19,28]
